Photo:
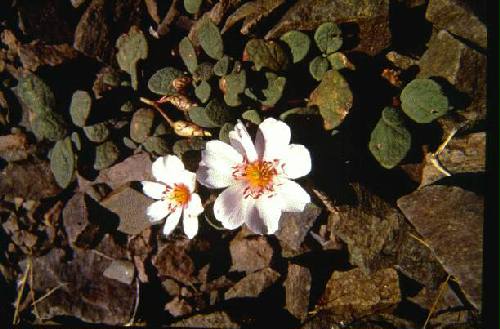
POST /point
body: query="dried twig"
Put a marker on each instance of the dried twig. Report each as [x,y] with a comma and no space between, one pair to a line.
[20,291]
[434,305]
[159,109]
[50,292]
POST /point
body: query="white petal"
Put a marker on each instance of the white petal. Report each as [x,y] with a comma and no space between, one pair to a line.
[187,178]
[157,211]
[270,212]
[153,190]
[272,139]
[194,207]
[230,207]
[165,169]
[190,224]
[241,141]
[172,221]
[217,164]
[293,196]
[296,162]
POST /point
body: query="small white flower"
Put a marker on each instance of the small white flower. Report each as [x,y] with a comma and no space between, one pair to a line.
[175,195]
[257,177]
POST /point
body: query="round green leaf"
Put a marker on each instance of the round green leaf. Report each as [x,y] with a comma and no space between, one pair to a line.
[81,103]
[224,132]
[318,67]
[266,54]
[132,47]
[233,85]
[161,82]
[253,116]
[339,61]
[105,155]
[192,6]
[423,100]
[273,91]
[188,54]
[327,37]
[141,124]
[202,91]
[62,162]
[299,44]
[221,68]
[97,133]
[210,39]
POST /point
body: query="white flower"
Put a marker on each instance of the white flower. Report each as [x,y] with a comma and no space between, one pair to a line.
[257,177]
[175,195]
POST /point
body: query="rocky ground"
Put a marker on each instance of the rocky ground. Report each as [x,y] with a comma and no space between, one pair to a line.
[391,240]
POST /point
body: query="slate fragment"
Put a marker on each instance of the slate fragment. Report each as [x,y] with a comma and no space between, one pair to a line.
[218,319]
[178,307]
[353,294]
[426,298]
[15,147]
[131,207]
[36,54]
[457,18]
[102,23]
[253,285]
[83,293]
[121,271]
[372,17]
[461,66]
[173,261]
[250,254]
[465,154]
[82,230]
[452,224]
[293,228]
[370,229]
[297,290]
[32,180]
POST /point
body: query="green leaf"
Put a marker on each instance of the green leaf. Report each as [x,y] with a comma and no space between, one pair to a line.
[390,141]
[35,94]
[253,116]
[202,91]
[105,155]
[224,132]
[192,6]
[132,47]
[129,143]
[339,61]
[210,39]
[204,72]
[62,162]
[97,133]
[273,91]
[198,115]
[141,124]
[333,97]
[48,125]
[188,54]
[318,67]
[77,141]
[423,100]
[232,85]
[298,111]
[184,145]
[81,103]
[221,68]
[161,82]
[266,54]
[156,145]
[215,114]
[299,44]
[327,37]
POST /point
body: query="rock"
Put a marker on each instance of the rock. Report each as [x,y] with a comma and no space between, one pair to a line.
[173,261]
[370,230]
[462,67]
[451,222]
[353,294]
[465,319]
[120,270]
[31,180]
[465,154]
[457,17]
[130,206]
[218,319]
[81,230]
[102,23]
[372,17]
[81,290]
[178,307]
[297,289]
[36,54]
[447,299]
[15,147]
[112,248]
[293,228]
[250,254]
[171,287]
[253,284]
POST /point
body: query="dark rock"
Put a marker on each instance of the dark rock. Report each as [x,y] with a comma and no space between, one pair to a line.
[31,180]
[443,300]
[131,207]
[36,54]
[297,289]
[110,247]
[463,319]
[120,270]
[173,261]
[250,254]
[370,229]
[218,319]
[81,290]
[353,294]
[462,67]
[80,229]
[253,284]
[293,228]
[450,220]
[372,18]
[457,17]
[102,23]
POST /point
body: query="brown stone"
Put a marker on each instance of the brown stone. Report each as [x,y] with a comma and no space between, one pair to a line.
[250,254]
[253,284]
[297,289]
[174,262]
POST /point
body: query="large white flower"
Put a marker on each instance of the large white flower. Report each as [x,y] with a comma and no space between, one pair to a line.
[174,194]
[258,177]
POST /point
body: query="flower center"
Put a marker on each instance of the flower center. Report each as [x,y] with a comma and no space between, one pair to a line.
[179,194]
[259,176]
